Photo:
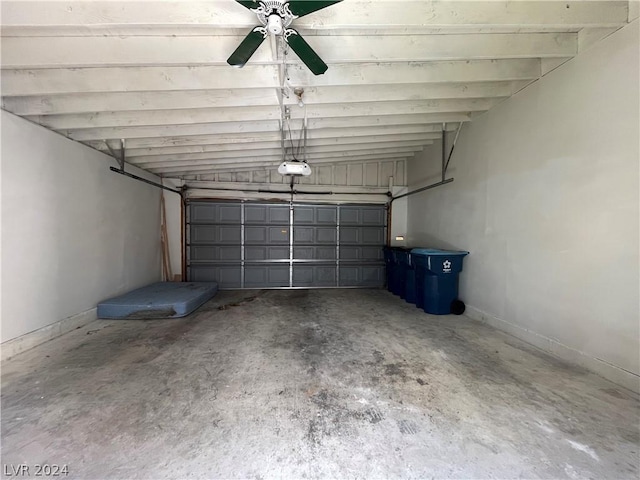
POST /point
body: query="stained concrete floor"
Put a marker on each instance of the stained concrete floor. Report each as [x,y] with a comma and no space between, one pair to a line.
[311,384]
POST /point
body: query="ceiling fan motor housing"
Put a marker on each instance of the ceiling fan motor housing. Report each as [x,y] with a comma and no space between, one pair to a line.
[274,15]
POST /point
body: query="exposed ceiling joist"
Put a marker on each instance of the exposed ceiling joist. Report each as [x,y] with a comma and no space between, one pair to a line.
[207,184]
[187,159]
[372,119]
[262,113]
[123,79]
[401,107]
[154,73]
[352,14]
[353,135]
[77,103]
[171,130]
[80,52]
[243,128]
[213,145]
[267,161]
[415,92]
[270,171]
[178,153]
[213,31]
[194,140]
[160,117]
[432,72]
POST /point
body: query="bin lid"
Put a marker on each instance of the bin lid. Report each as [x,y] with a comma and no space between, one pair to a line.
[433,251]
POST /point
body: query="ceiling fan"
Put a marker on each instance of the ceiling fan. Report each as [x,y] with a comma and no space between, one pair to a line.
[275,17]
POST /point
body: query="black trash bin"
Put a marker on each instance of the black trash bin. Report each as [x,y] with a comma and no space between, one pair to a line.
[398,273]
[388,263]
[407,276]
[436,280]
[396,259]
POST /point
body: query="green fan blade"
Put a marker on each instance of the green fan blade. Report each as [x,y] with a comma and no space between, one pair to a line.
[301,8]
[306,53]
[247,48]
[249,3]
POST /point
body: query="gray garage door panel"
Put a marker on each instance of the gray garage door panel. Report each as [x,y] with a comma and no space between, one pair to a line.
[255,253]
[368,254]
[362,275]
[215,234]
[360,215]
[212,213]
[265,276]
[315,252]
[262,235]
[212,253]
[314,235]
[318,215]
[362,236]
[249,245]
[266,214]
[227,276]
[314,275]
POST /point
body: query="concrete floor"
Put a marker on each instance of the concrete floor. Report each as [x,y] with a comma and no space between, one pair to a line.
[311,384]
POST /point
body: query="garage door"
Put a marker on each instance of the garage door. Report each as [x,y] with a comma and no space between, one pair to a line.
[278,245]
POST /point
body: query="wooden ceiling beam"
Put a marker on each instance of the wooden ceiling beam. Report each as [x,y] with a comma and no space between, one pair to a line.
[240,131]
[140,154]
[325,112]
[75,103]
[352,14]
[271,161]
[239,155]
[16,82]
[155,51]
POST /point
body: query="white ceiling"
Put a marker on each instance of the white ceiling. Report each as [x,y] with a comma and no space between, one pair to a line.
[155,75]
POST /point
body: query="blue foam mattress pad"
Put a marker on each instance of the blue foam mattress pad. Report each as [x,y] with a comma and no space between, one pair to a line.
[159,300]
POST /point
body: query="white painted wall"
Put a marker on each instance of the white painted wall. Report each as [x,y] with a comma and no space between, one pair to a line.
[73,233]
[399,217]
[546,199]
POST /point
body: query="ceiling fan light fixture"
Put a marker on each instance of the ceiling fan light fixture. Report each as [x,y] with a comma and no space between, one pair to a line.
[274,24]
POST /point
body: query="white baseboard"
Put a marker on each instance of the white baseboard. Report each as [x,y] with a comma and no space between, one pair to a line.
[12,347]
[615,374]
